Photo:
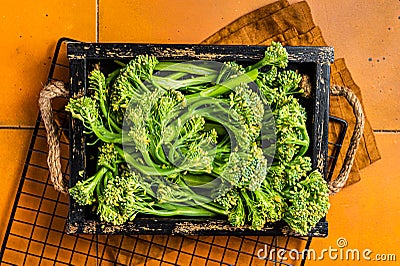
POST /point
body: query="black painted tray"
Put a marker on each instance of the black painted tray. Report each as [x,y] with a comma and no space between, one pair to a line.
[313,61]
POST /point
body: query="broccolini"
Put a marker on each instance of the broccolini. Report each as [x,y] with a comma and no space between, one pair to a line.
[189,140]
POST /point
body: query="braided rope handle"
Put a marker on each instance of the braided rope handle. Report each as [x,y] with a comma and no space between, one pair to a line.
[50,91]
[337,184]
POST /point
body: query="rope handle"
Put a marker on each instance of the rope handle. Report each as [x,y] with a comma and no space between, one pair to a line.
[337,184]
[50,91]
[57,89]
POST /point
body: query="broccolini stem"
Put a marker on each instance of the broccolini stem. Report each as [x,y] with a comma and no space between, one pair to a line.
[148,170]
[176,75]
[120,63]
[160,153]
[221,73]
[184,67]
[106,114]
[95,180]
[181,210]
[105,135]
[147,158]
[197,180]
[141,84]
[113,169]
[306,139]
[258,65]
[218,170]
[212,208]
[246,197]
[201,200]
[227,85]
[223,149]
[220,129]
[101,185]
[249,202]
[112,76]
[168,83]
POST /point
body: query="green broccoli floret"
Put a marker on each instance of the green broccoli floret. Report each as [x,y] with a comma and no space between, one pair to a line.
[83,191]
[131,85]
[97,83]
[86,110]
[288,82]
[110,195]
[185,129]
[291,132]
[275,55]
[128,194]
[118,194]
[263,205]
[248,105]
[282,174]
[275,86]
[245,170]
[229,70]
[188,146]
[308,203]
[234,206]
[170,100]
[237,215]
[271,202]
[109,157]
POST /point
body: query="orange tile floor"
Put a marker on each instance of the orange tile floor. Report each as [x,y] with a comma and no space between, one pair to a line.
[364,32]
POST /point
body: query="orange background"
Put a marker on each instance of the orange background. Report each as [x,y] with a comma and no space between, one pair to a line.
[364,32]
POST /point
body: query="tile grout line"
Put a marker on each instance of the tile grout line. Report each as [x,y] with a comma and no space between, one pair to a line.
[97,20]
[393,132]
[6,127]
[383,131]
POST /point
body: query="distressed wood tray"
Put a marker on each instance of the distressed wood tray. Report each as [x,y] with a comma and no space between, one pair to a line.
[313,61]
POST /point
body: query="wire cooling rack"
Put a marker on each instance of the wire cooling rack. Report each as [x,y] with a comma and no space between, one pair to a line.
[35,233]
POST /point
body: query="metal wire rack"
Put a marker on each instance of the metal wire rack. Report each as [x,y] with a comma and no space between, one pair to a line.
[35,233]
